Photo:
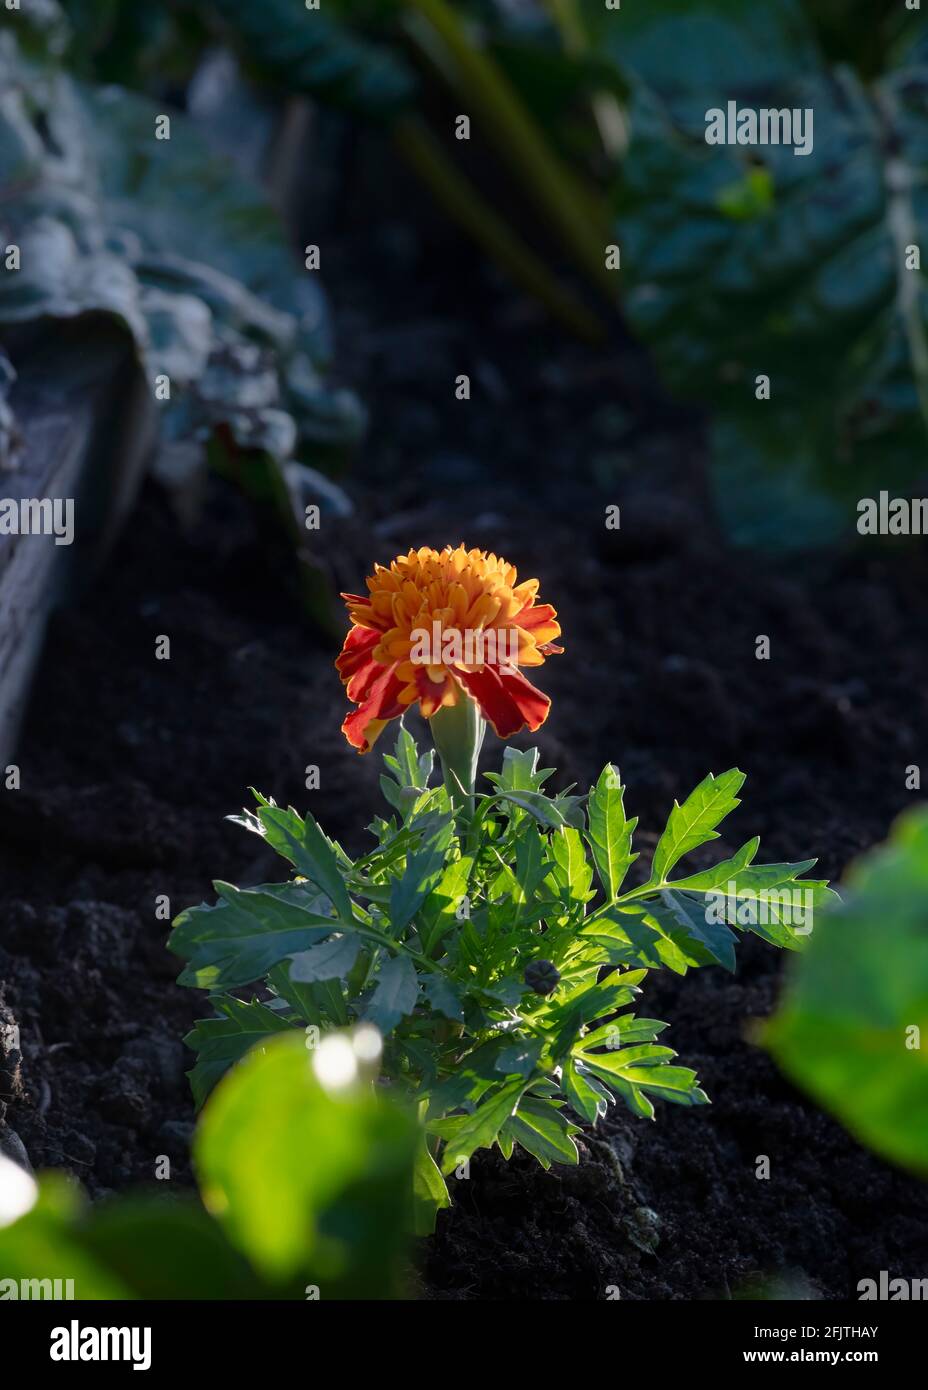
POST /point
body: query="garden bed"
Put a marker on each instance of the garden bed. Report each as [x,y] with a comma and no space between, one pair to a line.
[130,764]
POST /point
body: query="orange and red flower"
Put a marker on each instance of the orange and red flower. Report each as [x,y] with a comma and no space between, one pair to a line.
[467,596]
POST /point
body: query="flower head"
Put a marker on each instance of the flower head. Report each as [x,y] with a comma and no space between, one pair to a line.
[438,627]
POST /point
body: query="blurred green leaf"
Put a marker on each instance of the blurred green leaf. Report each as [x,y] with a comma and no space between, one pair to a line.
[220,1041]
[306,1180]
[743,262]
[310,51]
[852,1023]
[45,1243]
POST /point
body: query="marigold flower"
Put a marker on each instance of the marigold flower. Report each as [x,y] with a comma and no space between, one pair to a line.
[436,628]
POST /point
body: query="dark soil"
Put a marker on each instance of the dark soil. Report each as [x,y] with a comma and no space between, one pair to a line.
[129,765]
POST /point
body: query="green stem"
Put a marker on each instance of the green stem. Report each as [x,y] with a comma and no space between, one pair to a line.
[578,213]
[458,732]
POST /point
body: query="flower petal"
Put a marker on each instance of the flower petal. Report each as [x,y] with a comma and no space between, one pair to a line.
[359,644]
[540,622]
[434,694]
[364,725]
[508,701]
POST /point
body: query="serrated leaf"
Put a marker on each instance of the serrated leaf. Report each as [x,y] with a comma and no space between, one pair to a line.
[421,874]
[572,874]
[444,996]
[610,832]
[624,1058]
[627,1028]
[437,914]
[479,1130]
[332,960]
[625,928]
[547,812]
[688,920]
[430,1191]
[587,1096]
[396,994]
[693,824]
[520,771]
[218,1042]
[309,851]
[246,933]
[543,1131]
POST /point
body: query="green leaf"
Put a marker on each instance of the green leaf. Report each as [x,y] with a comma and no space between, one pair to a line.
[675,1084]
[610,833]
[396,994]
[220,1041]
[588,1097]
[770,900]
[430,1191]
[309,851]
[547,812]
[542,1131]
[588,1003]
[444,996]
[317,55]
[643,1055]
[468,1133]
[628,1028]
[725,284]
[520,1058]
[572,875]
[688,921]
[246,933]
[140,1238]
[332,960]
[693,824]
[305,1180]
[520,771]
[851,1026]
[735,867]
[45,1243]
[303,999]
[437,914]
[420,876]
[410,771]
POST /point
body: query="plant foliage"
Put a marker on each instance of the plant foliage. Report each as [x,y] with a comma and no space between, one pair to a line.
[741,261]
[501,954]
[851,1026]
[305,1187]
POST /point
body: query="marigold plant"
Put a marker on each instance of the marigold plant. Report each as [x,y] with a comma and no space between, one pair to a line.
[491,937]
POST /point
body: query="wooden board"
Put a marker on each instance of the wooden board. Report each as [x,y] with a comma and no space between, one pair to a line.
[88,421]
